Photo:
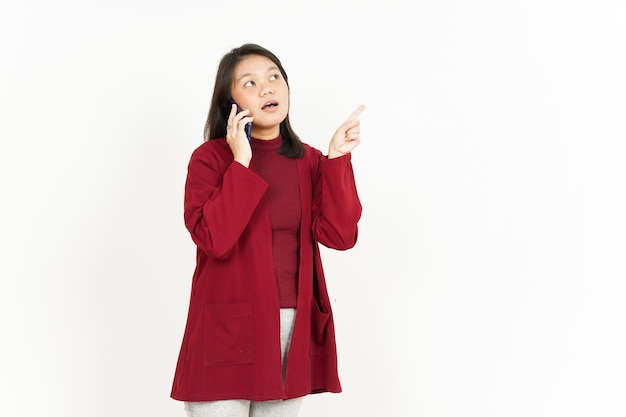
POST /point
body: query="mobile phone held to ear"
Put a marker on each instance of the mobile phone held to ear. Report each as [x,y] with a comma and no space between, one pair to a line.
[248,125]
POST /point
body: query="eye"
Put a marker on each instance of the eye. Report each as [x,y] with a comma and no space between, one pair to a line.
[274,77]
[249,84]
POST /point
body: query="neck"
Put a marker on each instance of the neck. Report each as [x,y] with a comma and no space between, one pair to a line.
[268,133]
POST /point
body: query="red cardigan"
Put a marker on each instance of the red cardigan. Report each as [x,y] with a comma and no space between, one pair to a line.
[231,343]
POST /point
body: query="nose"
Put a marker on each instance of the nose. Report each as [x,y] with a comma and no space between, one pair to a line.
[267,90]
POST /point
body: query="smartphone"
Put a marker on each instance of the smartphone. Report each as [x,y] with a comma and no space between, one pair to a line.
[248,125]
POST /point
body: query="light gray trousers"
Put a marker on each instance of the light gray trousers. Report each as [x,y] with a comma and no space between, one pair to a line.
[245,408]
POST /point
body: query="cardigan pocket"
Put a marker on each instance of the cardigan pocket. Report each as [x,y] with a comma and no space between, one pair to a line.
[319,321]
[228,334]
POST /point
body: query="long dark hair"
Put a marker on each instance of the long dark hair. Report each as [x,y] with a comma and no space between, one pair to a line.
[215,126]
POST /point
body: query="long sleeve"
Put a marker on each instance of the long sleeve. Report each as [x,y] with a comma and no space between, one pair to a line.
[220,198]
[336,205]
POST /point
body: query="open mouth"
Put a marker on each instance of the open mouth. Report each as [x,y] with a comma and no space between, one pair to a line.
[269,104]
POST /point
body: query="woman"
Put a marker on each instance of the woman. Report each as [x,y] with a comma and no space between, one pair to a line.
[260,331]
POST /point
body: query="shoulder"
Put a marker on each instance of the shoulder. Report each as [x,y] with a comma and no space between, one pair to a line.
[214,155]
[213,146]
[312,157]
[212,150]
[311,152]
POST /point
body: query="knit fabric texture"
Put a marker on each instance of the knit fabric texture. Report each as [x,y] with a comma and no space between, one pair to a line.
[283,198]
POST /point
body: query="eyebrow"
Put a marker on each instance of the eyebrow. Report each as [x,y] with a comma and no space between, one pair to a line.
[247,74]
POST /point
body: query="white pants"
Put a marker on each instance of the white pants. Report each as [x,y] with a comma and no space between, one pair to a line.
[245,408]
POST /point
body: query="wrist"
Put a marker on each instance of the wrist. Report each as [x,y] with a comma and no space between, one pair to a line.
[243,161]
[334,154]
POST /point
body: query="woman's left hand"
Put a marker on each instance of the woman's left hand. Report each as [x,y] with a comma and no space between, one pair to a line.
[347,136]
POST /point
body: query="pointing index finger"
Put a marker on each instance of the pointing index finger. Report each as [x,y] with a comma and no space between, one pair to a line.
[356,113]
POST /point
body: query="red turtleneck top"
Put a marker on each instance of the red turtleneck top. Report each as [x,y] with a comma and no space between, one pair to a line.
[283,198]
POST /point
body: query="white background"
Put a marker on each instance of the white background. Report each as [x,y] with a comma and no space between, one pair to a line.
[489,278]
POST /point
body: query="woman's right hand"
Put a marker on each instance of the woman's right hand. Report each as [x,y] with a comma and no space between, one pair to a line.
[236,135]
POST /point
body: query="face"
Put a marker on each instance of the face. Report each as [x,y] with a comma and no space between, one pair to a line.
[259,86]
